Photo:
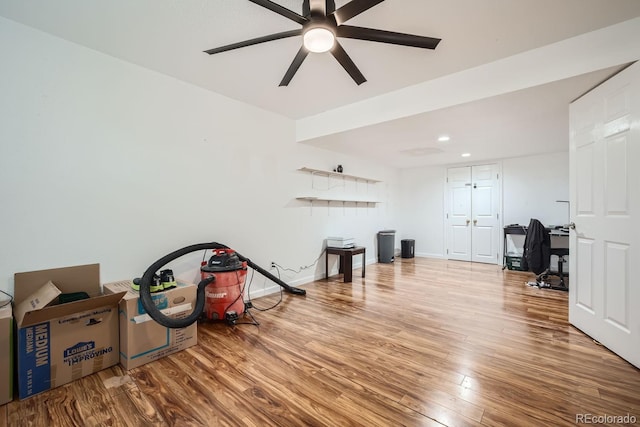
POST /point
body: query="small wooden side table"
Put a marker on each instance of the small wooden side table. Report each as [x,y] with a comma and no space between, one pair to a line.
[346,261]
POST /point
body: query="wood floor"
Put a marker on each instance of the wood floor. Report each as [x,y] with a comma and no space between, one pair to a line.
[420,342]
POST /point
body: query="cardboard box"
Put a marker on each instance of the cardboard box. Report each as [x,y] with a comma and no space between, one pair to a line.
[143,340]
[61,343]
[6,354]
[37,300]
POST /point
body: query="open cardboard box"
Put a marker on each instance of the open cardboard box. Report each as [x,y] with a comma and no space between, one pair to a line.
[61,343]
[142,340]
[6,353]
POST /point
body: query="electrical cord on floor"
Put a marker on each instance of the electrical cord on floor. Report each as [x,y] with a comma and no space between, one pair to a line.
[247,305]
[4,304]
[253,322]
[250,302]
[278,267]
[275,264]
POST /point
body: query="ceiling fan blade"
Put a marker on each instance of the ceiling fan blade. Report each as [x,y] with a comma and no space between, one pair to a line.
[258,40]
[281,10]
[343,58]
[331,6]
[353,8]
[293,68]
[382,36]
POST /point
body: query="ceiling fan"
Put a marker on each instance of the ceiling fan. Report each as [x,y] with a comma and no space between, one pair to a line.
[321,25]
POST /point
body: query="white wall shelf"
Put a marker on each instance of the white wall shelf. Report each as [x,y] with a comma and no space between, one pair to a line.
[359,202]
[320,172]
[329,199]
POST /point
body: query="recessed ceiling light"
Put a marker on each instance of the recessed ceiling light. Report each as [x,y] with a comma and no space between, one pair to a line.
[444,138]
[466,154]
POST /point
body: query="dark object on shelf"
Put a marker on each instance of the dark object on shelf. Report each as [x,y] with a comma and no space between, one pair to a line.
[407,248]
[339,169]
[386,246]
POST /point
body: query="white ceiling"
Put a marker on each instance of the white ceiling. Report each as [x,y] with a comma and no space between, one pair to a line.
[521,117]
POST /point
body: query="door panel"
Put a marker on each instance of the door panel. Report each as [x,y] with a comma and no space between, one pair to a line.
[583,283]
[486,232]
[459,242]
[604,296]
[616,177]
[584,198]
[483,247]
[473,230]
[617,293]
[459,189]
[460,203]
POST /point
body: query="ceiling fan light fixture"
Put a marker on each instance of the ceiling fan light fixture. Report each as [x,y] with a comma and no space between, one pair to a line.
[319,40]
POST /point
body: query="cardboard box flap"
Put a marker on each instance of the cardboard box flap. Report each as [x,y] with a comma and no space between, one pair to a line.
[57,311]
[82,278]
[37,301]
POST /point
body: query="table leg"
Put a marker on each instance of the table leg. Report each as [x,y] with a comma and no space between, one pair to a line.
[348,267]
[364,262]
[326,265]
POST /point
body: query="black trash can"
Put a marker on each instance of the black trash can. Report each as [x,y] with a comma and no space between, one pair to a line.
[407,248]
[386,246]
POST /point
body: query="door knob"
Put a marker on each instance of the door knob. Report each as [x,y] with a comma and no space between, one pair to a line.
[475,222]
[468,221]
[572,225]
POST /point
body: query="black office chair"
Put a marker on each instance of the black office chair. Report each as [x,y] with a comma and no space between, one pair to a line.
[537,256]
[561,253]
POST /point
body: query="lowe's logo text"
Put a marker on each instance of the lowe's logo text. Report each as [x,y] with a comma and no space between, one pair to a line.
[81,347]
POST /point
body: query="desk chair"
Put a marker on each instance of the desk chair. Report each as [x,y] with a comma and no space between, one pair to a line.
[542,279]
[537,256]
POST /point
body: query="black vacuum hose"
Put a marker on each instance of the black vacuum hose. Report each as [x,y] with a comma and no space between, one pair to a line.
[156,314]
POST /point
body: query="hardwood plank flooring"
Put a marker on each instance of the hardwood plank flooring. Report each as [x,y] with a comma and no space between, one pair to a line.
[420,342]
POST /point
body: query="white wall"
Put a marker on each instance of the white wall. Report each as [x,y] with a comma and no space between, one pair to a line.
[421,209]
[104,161]
[531,185]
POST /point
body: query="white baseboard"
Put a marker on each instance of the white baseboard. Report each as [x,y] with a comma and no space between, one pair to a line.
[428,255]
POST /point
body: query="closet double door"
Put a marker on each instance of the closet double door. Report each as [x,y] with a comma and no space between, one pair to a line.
[472,217]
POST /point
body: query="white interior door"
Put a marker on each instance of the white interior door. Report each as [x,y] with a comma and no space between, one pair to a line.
[604,292]
[484,211]
[472,218]
[459,216]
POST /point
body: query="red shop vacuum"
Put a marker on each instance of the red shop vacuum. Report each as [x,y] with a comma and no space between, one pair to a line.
[220,293]
[225,295]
